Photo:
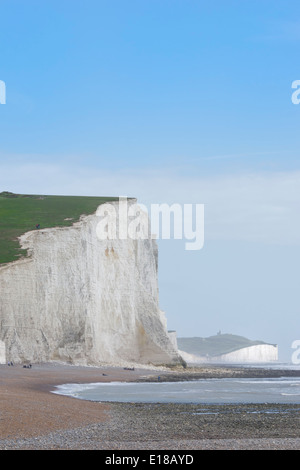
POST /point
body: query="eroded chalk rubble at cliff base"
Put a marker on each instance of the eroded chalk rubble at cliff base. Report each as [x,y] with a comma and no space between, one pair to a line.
[80,299]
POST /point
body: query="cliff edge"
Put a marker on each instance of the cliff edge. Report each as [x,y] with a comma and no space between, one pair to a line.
[82,299]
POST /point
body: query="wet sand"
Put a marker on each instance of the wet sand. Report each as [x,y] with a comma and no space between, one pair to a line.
[31,417]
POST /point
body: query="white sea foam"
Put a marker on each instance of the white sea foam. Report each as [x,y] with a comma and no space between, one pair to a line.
[198,391]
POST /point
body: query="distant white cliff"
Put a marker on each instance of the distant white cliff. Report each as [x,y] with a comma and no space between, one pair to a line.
[260,353]
[82,299]
[226,348]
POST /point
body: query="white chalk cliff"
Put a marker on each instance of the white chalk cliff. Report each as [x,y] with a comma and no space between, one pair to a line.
[82,299]
[259,353]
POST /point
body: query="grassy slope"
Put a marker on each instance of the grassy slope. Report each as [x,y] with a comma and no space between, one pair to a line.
[215,345]
[20,213]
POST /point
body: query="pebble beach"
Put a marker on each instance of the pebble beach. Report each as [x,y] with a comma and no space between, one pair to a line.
[34,418]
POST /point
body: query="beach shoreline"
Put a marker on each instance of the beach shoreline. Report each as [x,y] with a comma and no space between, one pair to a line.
[34,418]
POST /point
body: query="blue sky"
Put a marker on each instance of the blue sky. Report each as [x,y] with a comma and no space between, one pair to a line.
[170,101]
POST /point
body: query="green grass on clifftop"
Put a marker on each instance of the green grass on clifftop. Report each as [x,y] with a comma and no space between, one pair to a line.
[20,213]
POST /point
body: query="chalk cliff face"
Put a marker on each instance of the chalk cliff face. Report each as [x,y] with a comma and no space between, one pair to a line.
[253,354]
[82,299]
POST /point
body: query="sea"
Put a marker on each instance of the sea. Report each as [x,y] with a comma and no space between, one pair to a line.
[280,390]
